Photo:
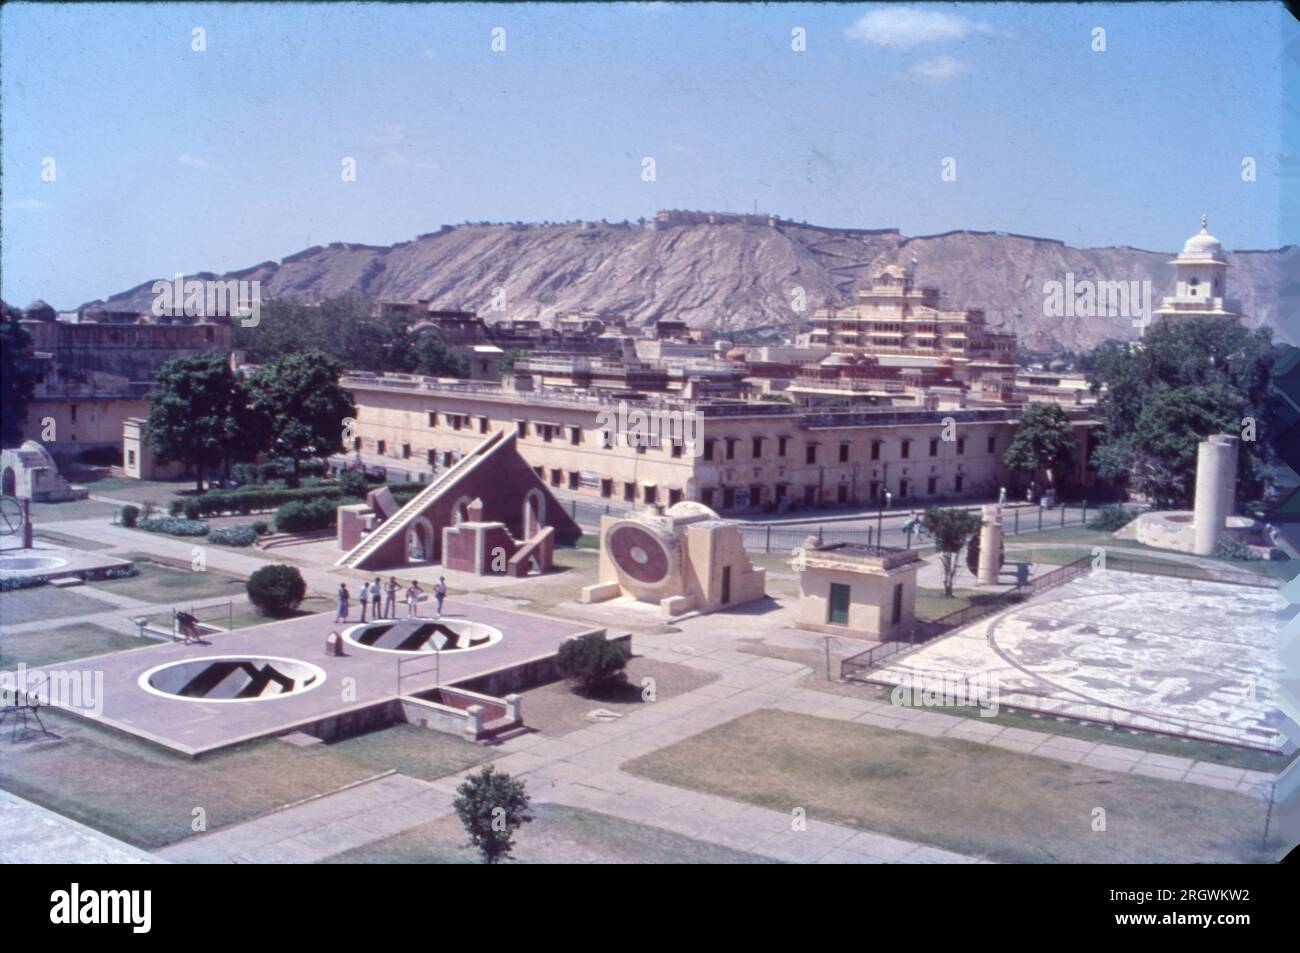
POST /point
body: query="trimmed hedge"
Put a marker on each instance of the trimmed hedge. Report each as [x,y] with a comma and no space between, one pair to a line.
[303,516]
[130,516]
[252,500]
[173,526]
[241,535]
[276,589]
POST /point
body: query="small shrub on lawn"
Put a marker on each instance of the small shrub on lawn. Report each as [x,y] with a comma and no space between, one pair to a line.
[261,527]
[1109,519]
[593,663]
[276,590]
[241,535]
[174,526]
[130,516]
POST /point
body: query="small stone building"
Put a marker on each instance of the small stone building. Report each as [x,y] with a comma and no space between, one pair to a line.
[862,592]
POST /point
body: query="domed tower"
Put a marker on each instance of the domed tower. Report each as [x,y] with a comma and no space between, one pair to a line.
[1200,281]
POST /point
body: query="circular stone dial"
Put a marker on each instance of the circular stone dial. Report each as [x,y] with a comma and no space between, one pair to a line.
[639,554]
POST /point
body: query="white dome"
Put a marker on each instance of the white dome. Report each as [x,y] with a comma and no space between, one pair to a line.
[1203,245]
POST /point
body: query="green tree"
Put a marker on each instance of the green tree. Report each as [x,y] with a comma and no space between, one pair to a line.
[305,406]
[276,589]
[433,357]
[951,529]
[1191,353]
[1044,440]
[492,806]
[197,412]
[17,377]
[1159,459]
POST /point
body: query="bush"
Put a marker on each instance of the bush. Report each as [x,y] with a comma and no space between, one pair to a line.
[130,516]
[192,509]
[241,535]
[174,526]
[353,482]
[276,590]
[593,662]
[1110,518]
[261,527]
[303,516]
[1236,550]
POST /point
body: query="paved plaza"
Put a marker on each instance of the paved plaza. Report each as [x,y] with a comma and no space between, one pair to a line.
[1161,653]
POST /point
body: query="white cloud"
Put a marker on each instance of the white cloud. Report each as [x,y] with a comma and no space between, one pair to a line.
[901,28]
[193,162]
[939,69]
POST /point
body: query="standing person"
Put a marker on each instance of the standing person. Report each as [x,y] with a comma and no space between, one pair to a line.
[343,604]
[440,593]
[375,598]
[390,605]
[365,598]
[413,599]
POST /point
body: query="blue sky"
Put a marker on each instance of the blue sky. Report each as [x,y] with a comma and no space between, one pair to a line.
[169,160]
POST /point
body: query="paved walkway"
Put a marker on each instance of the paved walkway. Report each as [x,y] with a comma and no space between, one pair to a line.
[29,834]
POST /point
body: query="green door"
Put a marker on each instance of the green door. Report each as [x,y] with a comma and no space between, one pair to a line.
[839,613]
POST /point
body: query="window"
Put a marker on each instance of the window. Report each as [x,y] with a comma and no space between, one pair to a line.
[993,444]
[934,447]
[432,458]
[907,449]
[810,453]
[455,421]
[433,418]
[844,453]
[130,458]
[523,427]
[546,432]
[575,435]
[406,451]
[842,493]
[731,448]
[757,448]
[674,496]
[902,489]
[706,497]
[838,604]
[676,449]
[606,488]
[629,492]
[958,482]
[708,450]
[556,477]
[728,498]
[780,445]
[932,486]
[651,495]
[73,411]
[380,447]
[875,450]
[896,616]
[356,443]
[573,479]
[961,446]
[482,425]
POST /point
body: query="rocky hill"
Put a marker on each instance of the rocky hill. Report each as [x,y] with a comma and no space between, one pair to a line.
[738,275]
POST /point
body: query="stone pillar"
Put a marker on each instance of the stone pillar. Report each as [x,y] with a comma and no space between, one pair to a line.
[514,709]
[990,545]
[1216,484]
[474,723]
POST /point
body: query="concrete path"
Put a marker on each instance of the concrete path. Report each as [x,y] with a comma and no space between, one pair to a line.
[29,834]
[320,827]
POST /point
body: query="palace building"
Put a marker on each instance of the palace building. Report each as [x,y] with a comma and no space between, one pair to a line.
[1200,281]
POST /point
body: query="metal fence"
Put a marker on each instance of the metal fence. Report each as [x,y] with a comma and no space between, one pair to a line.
[856,666]
[1225,574]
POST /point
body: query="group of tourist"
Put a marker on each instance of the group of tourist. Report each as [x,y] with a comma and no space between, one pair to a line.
[373,596]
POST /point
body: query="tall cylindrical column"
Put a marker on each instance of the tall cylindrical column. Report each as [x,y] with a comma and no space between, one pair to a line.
[990,545]
[1216,479]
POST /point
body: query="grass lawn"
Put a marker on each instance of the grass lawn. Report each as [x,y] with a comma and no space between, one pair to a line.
[557,835]
[145,795]
[162,583]
[961,796]
[47,602]
[556,708]
[79,640]
[575,568]
[71,542]
[416,752]
[1208,751]
[43,513]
